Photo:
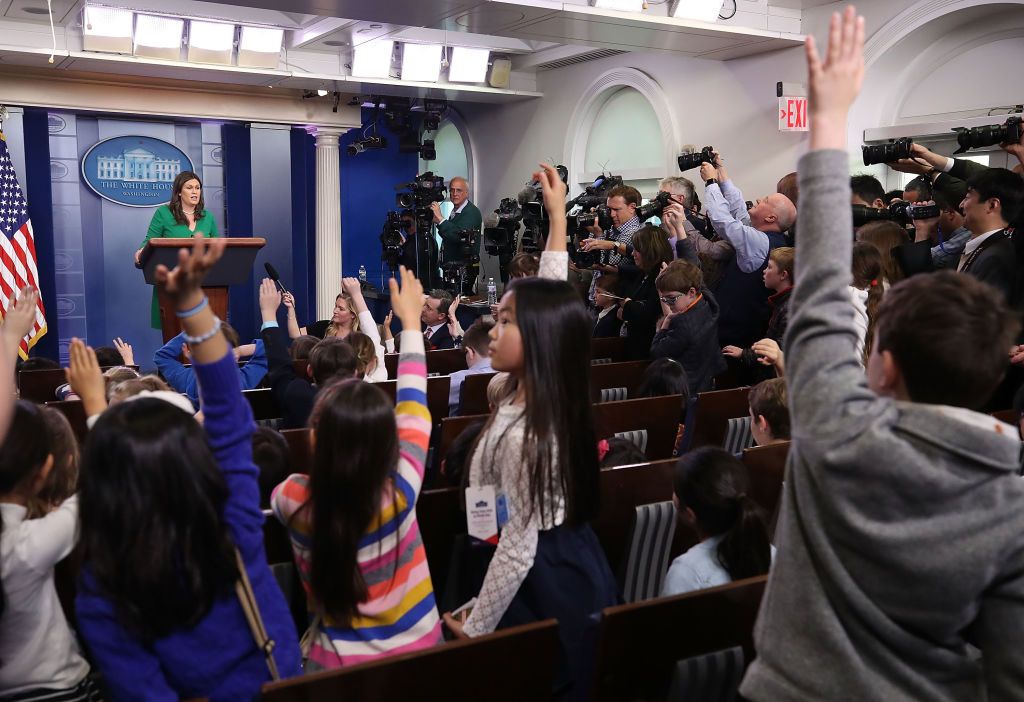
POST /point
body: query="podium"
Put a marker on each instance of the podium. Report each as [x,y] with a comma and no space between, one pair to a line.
[234,267]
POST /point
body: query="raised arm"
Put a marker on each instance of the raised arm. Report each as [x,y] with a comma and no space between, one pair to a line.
[411,412]
[294,331]
[825,378]
[750,244]
[554,260]
[18,321]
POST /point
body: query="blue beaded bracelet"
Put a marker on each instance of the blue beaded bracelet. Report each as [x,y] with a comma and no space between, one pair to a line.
[194,340]
[185,314]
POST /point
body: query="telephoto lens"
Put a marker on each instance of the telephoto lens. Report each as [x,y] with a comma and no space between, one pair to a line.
[693,160]
[886,153]
[978,137]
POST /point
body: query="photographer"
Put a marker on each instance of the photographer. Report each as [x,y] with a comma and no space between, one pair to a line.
[622,203]
[741,292]
[464,216]
[938,241]
[677,219]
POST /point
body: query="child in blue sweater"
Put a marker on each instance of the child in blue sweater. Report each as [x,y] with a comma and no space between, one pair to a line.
[166,510]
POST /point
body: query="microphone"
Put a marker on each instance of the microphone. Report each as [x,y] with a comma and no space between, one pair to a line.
[688,149]
[491,221]
[527,194]
[272,272]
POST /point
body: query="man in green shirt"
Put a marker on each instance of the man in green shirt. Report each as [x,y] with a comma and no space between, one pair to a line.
[464,216]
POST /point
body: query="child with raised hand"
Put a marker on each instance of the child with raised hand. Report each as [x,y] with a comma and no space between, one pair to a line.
[352,520]
[712,490]
[539,450]
[39,657]
[172,532]
[18,321]
[901,526]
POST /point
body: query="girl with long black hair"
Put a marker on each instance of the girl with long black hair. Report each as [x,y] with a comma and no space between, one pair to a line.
[539,450]
[712,490]
[170,517]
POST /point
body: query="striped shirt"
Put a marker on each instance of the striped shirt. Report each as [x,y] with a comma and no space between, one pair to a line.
[400,614]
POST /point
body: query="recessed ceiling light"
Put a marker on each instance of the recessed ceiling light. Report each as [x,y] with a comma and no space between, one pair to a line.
[335,42]
[376,26]
[36,10]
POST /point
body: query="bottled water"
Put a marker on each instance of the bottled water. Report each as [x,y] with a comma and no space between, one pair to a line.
[362,274]
[492,292]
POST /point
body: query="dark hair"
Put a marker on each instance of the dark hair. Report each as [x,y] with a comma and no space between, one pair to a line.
[62,482]
[789,186]
[478,337]
[622,452]
[152,505]
[355,457]
[609,282]
[301,346]
[456,459]
[768,399]
[892,195]
[23,452]
[867,187]
[1002,184]
[652,243]
[524,265]
[885,236]
[945,313]
[108,357]
[867,272]
[38,363]
[715,485]
[231,334]
[332,357]
[920,185]
[271,455]
[628,193]
[175,203]
[445,299]
[664,376]
[558,439]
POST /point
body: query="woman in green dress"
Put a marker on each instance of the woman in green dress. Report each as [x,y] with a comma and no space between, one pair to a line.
[181,218]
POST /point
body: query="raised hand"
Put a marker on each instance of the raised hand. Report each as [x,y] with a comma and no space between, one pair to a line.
[184,282]
[707,172]
[351,286]
[835,82]
[270,300]
[20,316]
[769,354]
[407,301]
[553,191]
[125,349]
[732,351]
[289,301]
[83,372]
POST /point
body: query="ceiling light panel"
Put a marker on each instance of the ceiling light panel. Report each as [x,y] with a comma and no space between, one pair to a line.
[158,37]
[259,47]
[211,42]
[468,65]
[107,29]
[700,10]
[421,62]
[372,59]
[620,5]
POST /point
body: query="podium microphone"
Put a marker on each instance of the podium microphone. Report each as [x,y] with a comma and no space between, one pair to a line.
[272,272]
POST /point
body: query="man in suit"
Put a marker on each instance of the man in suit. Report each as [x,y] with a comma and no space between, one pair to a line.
[994,199]
[464,216]
[435,320]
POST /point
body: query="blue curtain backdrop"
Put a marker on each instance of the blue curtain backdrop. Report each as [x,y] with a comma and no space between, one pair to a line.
[367,194]
[40,211]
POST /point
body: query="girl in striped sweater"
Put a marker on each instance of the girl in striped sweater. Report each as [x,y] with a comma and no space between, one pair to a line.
[352,520]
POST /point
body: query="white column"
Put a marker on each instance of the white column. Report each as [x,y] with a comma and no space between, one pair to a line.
[328,220]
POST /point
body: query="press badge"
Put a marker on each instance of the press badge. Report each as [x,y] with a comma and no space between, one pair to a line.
[482,513]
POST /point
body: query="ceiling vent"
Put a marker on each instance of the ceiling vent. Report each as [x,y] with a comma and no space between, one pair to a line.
[579,58]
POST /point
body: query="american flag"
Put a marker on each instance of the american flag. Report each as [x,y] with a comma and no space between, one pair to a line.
[17,247]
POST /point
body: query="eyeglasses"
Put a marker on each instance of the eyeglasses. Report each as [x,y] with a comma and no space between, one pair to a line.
[670,299]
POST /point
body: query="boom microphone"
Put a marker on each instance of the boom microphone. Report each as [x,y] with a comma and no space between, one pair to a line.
[491,221]
[527,194]
[272,272]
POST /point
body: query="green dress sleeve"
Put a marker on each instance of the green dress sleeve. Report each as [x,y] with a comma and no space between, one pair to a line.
[158,225]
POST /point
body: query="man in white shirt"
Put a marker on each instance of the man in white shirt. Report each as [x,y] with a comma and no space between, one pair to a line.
[476,343]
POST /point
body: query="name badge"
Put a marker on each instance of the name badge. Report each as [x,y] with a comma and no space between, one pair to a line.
[481,513]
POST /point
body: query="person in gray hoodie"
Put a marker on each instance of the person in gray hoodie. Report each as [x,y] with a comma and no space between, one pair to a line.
[901,538]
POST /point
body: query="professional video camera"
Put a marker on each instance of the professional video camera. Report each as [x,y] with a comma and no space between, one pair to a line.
[900,211]
[893,150]
[596,193]
[693,159]
[500,229]
[392,241]
[427,188]
[977,137]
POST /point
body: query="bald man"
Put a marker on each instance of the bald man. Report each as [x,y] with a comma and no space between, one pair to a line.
[464,215]
[740,291]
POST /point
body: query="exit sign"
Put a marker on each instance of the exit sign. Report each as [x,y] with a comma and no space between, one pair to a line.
[792,114]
